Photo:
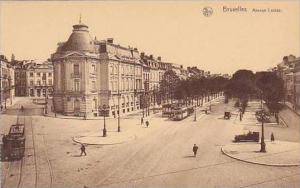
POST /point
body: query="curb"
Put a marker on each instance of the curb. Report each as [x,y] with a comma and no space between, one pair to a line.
[97,144]
[257,163]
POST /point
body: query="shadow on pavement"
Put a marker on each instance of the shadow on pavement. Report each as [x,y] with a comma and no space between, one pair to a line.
[189,156]
[77,155]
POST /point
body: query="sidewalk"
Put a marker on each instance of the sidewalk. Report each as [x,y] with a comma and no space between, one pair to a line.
[279,153]
[135,113]
[290,105]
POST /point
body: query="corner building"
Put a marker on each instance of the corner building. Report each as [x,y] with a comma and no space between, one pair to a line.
[90,73]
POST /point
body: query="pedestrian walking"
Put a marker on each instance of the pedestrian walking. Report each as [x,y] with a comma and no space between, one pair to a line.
[142,121]
[82,150]
[22,108]
[272,137]
[195,149]
[147,123]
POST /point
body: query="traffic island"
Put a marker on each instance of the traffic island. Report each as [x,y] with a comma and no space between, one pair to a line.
[98,139]
[279,153]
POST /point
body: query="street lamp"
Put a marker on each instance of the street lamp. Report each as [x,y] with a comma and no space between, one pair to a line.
[262,142]
[103,110]
[195,117]
[46,103]
[119,128]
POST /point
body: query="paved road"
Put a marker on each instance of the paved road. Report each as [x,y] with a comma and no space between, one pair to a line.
[161,155]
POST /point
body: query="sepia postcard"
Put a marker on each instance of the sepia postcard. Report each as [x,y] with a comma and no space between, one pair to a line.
[150,93]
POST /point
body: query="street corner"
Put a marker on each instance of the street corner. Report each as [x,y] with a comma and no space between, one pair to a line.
[111,138]
[279,153]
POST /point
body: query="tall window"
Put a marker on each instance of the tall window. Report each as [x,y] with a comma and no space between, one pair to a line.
[31,82]
[93,68]
[39,82]
[44,76]
[93,85]
[76,85]
[31,92]
[95,103]
[76,69]
[49,81]
[38,74]
[31,74]
[50,74]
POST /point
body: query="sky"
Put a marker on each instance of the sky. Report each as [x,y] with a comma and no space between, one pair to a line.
[175,30]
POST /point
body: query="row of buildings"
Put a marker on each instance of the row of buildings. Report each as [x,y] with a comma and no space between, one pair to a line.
[24,78]
[7,82]
[93,77]
[90,77]
[289,70]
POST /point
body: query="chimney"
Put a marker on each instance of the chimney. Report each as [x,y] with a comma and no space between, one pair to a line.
[135,49]
[151,56]
[142,54]
[110,40]
[159,58]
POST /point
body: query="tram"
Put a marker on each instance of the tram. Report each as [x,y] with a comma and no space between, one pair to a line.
[181,113]
[14,142]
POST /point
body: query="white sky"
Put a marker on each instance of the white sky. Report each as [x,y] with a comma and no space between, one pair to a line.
[177,31]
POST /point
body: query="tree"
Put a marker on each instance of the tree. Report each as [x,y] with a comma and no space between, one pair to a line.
[271,87]
[168,84]
[242,84]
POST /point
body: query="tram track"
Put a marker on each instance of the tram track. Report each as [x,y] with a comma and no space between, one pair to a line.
[34,153]
[48,162]
[29,171]
[15,168]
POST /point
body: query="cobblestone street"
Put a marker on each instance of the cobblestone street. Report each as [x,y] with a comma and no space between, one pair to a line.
[160,155]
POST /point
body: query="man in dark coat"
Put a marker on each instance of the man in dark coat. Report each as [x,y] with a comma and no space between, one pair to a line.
[272,137]
[147,123]
[195,149]
[82,150]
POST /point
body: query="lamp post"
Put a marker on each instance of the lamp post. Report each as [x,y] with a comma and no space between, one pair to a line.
[119,128]
[262,142]
[195,117]
[104,110]
[46,103]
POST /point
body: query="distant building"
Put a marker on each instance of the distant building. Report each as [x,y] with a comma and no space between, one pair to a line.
[195,72]
[297,85]
[7,81]
[39,79]
[288,70]
[20,79]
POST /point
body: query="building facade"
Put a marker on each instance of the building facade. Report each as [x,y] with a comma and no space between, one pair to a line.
[39,79]
[297,85]
[7,82]
[20,79]
[288,71]
[89,74]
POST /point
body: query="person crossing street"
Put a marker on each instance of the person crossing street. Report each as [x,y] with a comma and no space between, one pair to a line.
[82,150]
[195,149]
